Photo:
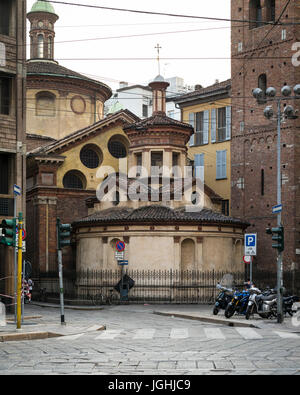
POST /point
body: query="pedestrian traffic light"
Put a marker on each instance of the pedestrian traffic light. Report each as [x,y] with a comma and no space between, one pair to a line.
[278,236]
[63,234]
[9,235]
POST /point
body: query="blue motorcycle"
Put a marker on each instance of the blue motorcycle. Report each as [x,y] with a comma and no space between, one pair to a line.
[238,303]
[222,299]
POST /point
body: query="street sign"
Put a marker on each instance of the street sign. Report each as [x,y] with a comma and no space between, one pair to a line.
[120,246]
[17,190]
[123,263]
[251,244]
[23,233]
[119,256]
[277,209]
[247,259]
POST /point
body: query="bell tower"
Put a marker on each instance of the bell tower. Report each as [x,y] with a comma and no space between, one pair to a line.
[42,18]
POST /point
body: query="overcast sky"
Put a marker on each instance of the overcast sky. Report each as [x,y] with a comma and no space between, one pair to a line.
[211,39]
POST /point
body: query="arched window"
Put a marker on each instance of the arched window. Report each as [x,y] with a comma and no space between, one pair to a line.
[40,52]
[255,14]
[74,179]
[117,147]
[262,84]
[50,55]
[271,10]
[45,104]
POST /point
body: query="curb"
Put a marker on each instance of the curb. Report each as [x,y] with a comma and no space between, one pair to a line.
[207,319]
[70,307]
[39,335]
[28,336]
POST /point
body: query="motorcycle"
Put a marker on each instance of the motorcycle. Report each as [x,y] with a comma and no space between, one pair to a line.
[222,299]
[238,303]
[263,304]
[287,305]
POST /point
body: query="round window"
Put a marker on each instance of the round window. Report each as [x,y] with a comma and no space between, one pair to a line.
[117,149]
[90,156]
[73,179]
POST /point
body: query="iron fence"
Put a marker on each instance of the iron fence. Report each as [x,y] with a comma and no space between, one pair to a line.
[150,286]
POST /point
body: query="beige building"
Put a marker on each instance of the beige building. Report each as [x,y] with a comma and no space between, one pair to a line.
[160,233]
[59,100]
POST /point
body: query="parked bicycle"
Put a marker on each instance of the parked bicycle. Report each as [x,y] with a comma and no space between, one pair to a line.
[99,299]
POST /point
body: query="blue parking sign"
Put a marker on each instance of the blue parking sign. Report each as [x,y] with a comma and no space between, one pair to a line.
[251,244]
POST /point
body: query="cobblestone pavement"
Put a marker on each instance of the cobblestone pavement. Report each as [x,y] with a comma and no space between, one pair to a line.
[137,342]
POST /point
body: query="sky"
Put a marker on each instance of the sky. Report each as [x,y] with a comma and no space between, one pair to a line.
[89,41]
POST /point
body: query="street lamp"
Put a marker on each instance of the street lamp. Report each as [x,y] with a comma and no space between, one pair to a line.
[289,113]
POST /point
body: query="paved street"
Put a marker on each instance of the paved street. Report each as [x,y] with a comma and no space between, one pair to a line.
[138,342]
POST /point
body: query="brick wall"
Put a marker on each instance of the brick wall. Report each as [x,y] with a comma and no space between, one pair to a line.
[44,205]
[254,148]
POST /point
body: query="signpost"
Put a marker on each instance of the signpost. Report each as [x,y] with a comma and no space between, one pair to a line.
[119,255]
[277,209]
[251,249]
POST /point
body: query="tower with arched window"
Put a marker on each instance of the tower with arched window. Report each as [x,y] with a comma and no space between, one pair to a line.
[262,57]
[42,18]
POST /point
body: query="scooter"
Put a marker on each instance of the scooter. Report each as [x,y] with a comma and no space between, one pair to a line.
[263,305]
[222,299]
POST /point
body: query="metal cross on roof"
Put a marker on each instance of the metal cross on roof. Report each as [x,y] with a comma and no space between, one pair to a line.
[158,47]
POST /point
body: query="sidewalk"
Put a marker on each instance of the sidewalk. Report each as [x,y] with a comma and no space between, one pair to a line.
[42,321]
[204,313]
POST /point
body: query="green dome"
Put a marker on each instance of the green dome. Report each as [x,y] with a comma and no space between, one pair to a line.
[42,6]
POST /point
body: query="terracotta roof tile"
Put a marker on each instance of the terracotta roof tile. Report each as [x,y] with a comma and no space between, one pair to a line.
[157,213]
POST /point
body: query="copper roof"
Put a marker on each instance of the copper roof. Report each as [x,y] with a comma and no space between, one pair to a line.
[52,68]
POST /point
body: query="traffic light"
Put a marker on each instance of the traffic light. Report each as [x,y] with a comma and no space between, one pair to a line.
[63,234]
[9,234]
[278,236]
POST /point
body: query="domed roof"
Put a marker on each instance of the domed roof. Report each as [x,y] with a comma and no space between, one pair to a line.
[42,6]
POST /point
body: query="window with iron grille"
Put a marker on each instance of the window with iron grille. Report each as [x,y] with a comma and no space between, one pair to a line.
[117,149]
[90,157]
[73,179]
[6,207]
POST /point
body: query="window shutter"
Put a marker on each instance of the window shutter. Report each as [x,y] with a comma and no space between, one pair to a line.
[224,164]
[192,140]
[228,123]
[198,162]
[213,129]
[219,164]
[205,126]
[192,119]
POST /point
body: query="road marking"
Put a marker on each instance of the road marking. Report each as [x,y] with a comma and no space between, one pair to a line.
[179,333]
[287,335]
[214,333]
[109,334]
[248,333]
[146,333]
